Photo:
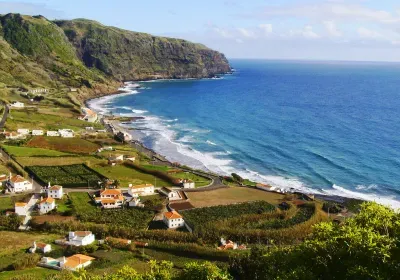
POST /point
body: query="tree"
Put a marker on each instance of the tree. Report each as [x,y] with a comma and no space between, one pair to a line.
[203,271]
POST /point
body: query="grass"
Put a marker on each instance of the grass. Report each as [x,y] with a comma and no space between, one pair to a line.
[32,152]
[15,245]
[32,119]
[232,195]
[31,273]
[64,205]
[68,145]
[199,180]
[128,176]
[6,203]
[54,161]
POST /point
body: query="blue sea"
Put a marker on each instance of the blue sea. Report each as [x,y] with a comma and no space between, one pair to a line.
[321,127]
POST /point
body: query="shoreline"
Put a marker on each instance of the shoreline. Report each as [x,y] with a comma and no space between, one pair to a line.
[140,146]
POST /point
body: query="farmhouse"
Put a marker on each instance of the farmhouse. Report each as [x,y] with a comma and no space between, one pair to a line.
[173,219]
[21,208]
[18,183]
[53,133]
[171,194]
[88,115]
[46,205]
[66,133]
[130,158]
[37,132]
[188,184]
[79,238]
[23,131]
[40,247]
[110,198]
[72,263]
[265,187]
[17,104]
[55,192]
[144,189]
[135,202]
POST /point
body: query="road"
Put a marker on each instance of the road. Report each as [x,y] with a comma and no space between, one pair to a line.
[31,206]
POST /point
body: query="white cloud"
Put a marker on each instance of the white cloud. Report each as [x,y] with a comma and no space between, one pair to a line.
[308,32]
[222,32]
[266,28]
[370,34]
[246,32]
[30,9]
[332,29]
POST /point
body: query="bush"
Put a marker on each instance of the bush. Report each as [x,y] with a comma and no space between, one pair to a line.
[27,261]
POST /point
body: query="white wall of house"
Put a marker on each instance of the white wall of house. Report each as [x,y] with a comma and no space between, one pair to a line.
[80,241]
[17,104]
[55,193]
[37,132]
[21,186]
[21,210]
[52,133]
[174,223]
[145,190]
[46,207]
[188,185]
[23,131]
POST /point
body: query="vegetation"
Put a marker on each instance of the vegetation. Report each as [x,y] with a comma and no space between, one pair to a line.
[78,175]
[17,151]
[67,145]
[197,217]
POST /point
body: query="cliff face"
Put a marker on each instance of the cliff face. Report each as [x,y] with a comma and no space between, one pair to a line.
[131,55]
[36,52]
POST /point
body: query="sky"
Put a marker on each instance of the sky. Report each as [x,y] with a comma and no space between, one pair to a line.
[361,30]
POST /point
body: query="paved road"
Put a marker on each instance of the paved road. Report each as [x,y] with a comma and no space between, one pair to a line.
[5,115]
[31,206]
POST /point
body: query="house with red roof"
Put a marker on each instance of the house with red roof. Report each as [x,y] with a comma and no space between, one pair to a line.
[173,219]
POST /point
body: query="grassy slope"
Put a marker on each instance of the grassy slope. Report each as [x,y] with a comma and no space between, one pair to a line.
[32,152]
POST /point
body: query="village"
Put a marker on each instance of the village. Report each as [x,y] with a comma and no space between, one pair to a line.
[90,176]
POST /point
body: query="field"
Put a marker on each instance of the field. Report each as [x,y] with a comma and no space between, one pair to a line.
[197,217]
[232,195]
[14,246]
[68,145]
[85,210]
[32,152]
[126,175]
[78,175]
[9,201]
[54,161]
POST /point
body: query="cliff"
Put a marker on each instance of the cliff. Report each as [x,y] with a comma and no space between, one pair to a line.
[37,52]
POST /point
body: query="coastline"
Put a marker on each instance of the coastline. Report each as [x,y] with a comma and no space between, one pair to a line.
[135,142]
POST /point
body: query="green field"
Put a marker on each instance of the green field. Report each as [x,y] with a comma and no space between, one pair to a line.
[32,152]
[77,175]
[126,176]
[68,145]
[6,203]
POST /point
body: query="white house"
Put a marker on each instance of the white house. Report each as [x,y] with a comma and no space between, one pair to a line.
[130,158]
[116,158]
[72,263]
[3,179]
[88,115]
[170,193]
[80,238]
[21,208]
[53,133]
[173,219]
[144,189]
[23,131]
[18,183]
[110,198]
[55,191]
[66,133]
[17,104]
[188,184]
[40,247]
[46,205]
[37,132]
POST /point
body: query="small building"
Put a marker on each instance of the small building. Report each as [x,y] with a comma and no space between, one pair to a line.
[116,158]
[55,191]
[23,131]
[40,247]
[73,89]
[3,179]
[37,132]
[188,184]
[66,133]
[18,183]
[130,158]
[53,133]
[170,193]
[80,238]
[135,202]
[13,135]
[21,208]
[266,187]
[72,263]
[46,205]
[173,219]
[144,189]
[17,104]
[89,128]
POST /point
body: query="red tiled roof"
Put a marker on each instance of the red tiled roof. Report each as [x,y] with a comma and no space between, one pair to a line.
[172,215]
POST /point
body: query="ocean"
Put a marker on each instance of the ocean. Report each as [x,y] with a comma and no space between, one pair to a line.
[320,127]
